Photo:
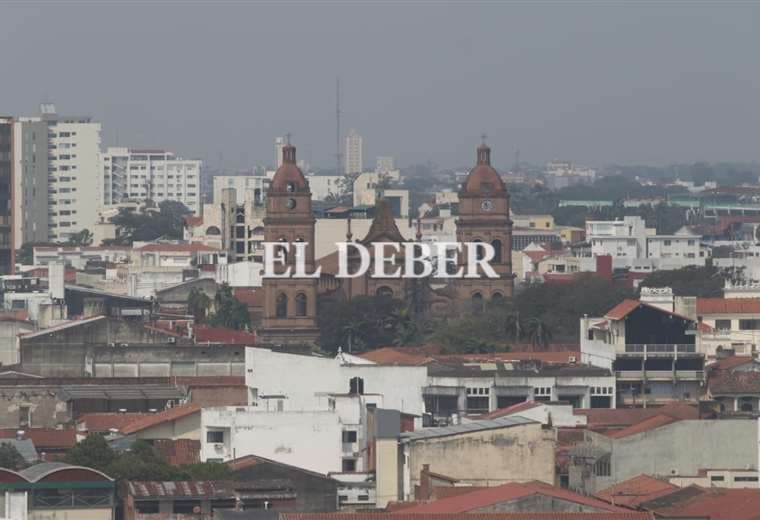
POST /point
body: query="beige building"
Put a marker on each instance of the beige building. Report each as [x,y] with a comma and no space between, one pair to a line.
[353,154]
[482,453]
[181,422]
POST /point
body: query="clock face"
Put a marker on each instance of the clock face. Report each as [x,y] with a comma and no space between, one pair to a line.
[291,203]
[486,205]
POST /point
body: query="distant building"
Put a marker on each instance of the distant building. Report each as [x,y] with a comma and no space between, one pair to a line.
[59,186]
[256,184]
[384,164]
[7,193]
[150,175]
[353,154]
[278,144]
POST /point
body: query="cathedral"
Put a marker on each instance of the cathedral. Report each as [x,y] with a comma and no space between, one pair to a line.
[290,304]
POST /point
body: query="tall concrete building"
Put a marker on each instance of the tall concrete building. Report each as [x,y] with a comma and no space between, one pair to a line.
[58,176]
[7,256]
[278,144]
[156,175]
[353,153]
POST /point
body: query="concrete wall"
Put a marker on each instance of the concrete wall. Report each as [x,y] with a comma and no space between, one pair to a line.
[682,448]
[486,458]
[47,410]
[309,440]
[306,379]
[387,482]
[9,341]
[188,427]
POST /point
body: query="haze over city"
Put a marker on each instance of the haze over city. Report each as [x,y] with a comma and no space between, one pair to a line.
[594,83]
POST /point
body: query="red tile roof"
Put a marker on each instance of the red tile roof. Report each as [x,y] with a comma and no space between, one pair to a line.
[712,503]
[172,414]
[605,419]
[728,306]
[647,424]
[739,382]
[430,353]
[196,381]
[633,492]
[404,514]
[483,498]
[44,438]
[250,297]
[223,335]
[622,309]
[730,363]
[192,220]
[176,248]
[510,410]
[103,422]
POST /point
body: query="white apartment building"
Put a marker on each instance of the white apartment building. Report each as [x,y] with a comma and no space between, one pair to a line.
[384,164]
[279,143]
[155,175]
[353,153]
[58,167]
[257,185]
[630,243]
[291,394]
[325,186]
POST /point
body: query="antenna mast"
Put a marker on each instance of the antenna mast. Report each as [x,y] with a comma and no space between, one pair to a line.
[338,155]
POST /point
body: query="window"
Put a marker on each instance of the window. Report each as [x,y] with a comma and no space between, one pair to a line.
[24,416]
[356,385]
[147,507]
[300,304]
[717,478]
[477,302]
[745,479]
[384,292]
[602,467]
[749,324]
[215,437]
[349,465]
[281,310]
[497,251]
[723,324]
[349,436]
[362,498]
[186,506]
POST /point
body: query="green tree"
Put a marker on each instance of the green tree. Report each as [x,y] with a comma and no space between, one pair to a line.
[206,471]
[364,321]
[10,458]
[229,311]
[82,238]
[704,282]
[198,304]
[92,452]
[539,333]
[25,254]
[167,222]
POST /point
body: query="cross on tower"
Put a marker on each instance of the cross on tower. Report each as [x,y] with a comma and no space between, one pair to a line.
[483,138]
[287,138]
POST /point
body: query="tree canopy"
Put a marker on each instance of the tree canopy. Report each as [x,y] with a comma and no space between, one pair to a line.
[10,458]
[167,223]
[228,312]
[704,282]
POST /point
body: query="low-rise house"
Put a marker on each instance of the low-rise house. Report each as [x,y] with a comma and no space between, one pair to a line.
[58,490]
[734,384]
[178,422]
[712,503]
[637,490]
[50,443]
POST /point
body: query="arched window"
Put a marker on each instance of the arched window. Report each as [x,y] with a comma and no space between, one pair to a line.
[240,218]
[479,252]
[384,292]
[497,297]
[301,304]
[477,302]
[258,230]
[281,310]
[283,250]
[213,231]
[497,251]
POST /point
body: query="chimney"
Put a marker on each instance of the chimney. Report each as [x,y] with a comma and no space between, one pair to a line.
[425,490]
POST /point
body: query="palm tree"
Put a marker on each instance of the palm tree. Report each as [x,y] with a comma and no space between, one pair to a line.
[513,326]
[352,330]
[539,333]
[401,325]
[198,304]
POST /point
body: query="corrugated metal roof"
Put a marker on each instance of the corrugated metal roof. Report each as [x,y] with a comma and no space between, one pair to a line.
[141,489]
[25,448]
[101,391]
[474,426]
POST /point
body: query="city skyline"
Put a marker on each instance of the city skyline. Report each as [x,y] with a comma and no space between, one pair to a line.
[592,84]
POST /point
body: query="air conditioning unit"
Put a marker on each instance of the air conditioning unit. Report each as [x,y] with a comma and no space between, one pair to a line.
[571,359]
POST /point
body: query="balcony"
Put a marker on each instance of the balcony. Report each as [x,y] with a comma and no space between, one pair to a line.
[660,349]
[659,375]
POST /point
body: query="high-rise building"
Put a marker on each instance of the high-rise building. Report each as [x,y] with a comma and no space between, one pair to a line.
[58,183]
[353,153]
[7,250]
[384,164]
[278,144]
[150,175]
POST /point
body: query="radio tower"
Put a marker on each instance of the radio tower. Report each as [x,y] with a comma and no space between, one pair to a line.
[338,155]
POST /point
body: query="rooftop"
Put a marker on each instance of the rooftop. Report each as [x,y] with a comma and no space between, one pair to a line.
[713,503]
[458,429]
[171,414]
[633,492]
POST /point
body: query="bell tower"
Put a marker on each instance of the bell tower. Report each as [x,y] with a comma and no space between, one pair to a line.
[290,304]
[484,217]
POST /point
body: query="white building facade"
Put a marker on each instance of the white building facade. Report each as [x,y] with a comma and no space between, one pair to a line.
[155,175]
[353,154]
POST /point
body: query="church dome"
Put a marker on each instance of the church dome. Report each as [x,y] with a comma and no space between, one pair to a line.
[288,176]
[483,179]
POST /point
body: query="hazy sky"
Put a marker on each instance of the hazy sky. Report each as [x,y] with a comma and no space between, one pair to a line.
[589,82]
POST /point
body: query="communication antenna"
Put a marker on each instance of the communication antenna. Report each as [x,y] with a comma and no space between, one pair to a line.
[338,155]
